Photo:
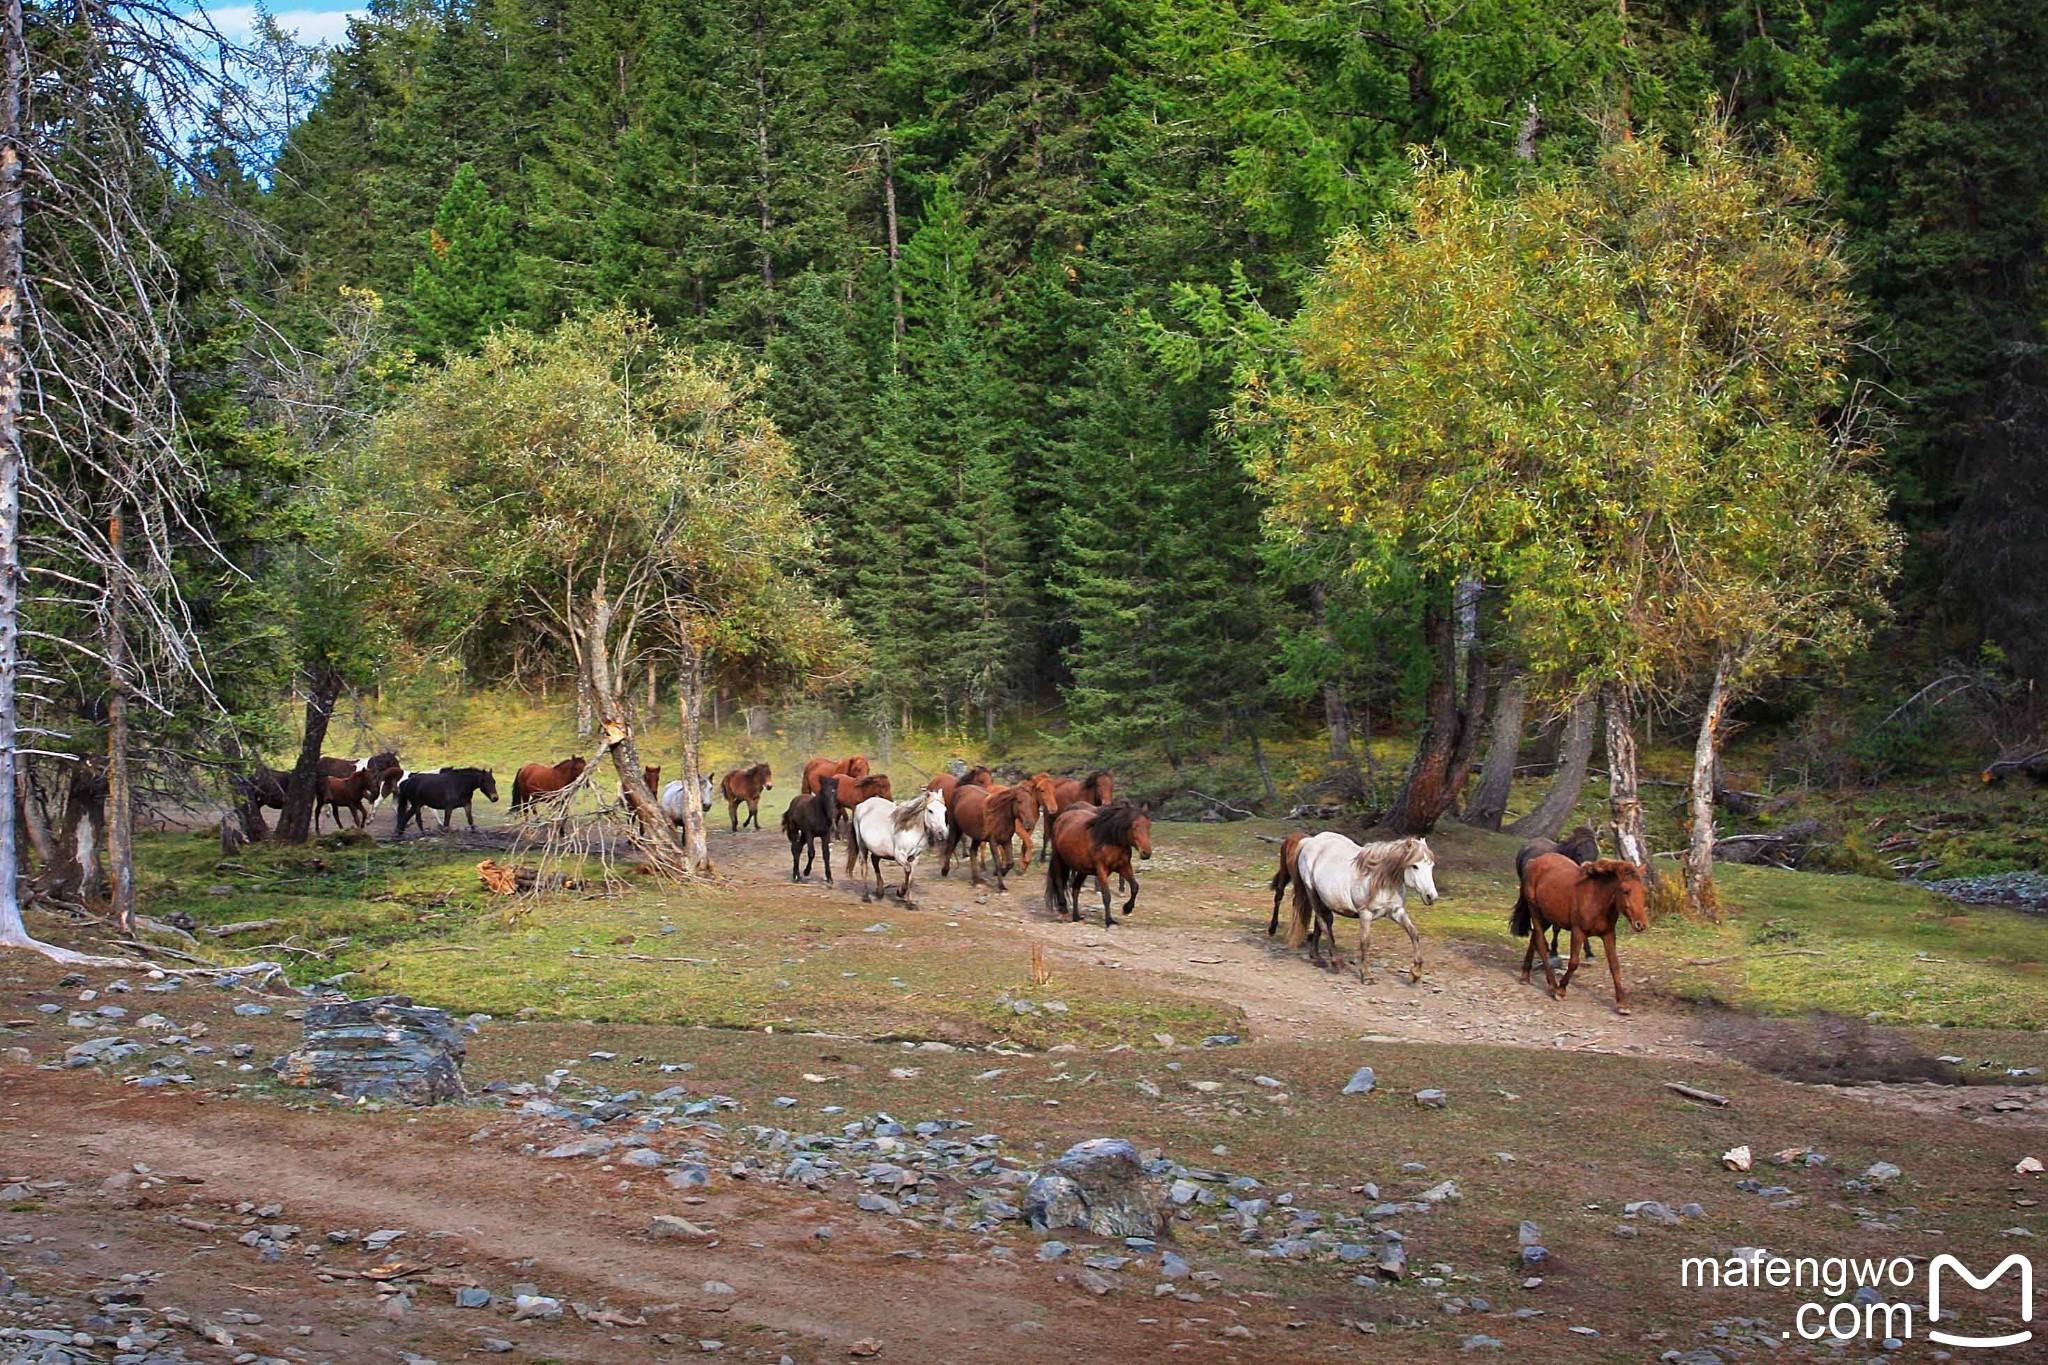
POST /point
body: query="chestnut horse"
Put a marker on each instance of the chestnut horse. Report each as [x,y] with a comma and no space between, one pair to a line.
[819,769]
[854,790]
[1589,899]
[1290,849]
[987,817]
[1043,797]
[1097,789]
[745,784]
[355,792]
[946,784]
[1581,845]
[1084,841]
[544,779]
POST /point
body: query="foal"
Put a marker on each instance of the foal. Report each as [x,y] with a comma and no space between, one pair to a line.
[807,824]
[1589,899]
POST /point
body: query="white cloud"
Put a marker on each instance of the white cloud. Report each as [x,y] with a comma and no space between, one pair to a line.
[238,22]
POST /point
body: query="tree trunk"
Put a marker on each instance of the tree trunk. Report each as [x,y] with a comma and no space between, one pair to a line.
[76,872]
[295,821]
[1336,714]
[1427,793]
[1251,732]
[1700,893]
[658,840]
[34,819]
[584,710]
[13,365]
[1489,801]
[120,789]
[895,251]
[653,693]
[1472,649]
[1575,751]
[696,838]
[1624,792]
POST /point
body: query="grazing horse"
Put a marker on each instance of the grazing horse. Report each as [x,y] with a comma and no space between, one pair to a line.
[818,769]
[1582,845]
[443,791]
[355,791]
[807,824]
[946,784]
[1589,899]
[536,780]
[1290,849]
[1084,841]
[675,797]
[880,830]
[1332,875]
[1097,789]
[854,790]
[987,817]
[746,784]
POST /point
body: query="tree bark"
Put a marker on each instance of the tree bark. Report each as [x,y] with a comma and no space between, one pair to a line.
[1575,751]
[120,789]
[1489,803]
[1624,792]
[584,710]
[1700,893]
[895,251]
[13,367]
[1427,793]
[295,821]
[1472,648]
[696,837]
[1336,712]
[658,840]
[76,872]
[33,818]
[653,693]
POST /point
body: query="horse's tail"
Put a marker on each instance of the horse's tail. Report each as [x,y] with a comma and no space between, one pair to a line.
[1055,874]
[1520,923]
[1304,919]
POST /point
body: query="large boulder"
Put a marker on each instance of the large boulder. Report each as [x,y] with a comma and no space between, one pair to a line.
[1099,1185]
[383,1048]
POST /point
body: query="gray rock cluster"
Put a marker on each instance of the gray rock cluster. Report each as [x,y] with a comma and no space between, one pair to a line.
[384,1047]
[1101,1185]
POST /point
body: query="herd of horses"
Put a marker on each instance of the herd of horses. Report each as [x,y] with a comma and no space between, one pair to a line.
[1087,834]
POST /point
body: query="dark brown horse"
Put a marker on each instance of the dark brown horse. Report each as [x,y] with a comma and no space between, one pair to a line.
[1289,847]
[818,769]
[987,817]
[353,792]
[1097,789]
[1582,845]
[1589,899]
[1084,841]
[746,784]
[807,824]
[536,780]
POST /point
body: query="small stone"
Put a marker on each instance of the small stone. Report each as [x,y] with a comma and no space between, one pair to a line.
[1736,1158]
[535,1307]
[472,1297]
[1053,1250]
[719,1289]
[1361,1083]
[1432,1099]
[1527,1234]
[1479,1341]
[668,1227]
[1882,1173]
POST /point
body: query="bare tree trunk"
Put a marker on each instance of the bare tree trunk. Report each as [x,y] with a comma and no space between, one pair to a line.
[895,252]
[763,164]
[658,839]
[13,367]
[34,819]
[691,707]
[120,789]
[76,871]
[584,710]
[1472,649]
[1575,751]
[1427,793]
[295,821]
[1700,893]
[1251,731]
[1489,801]
[1336,714]
[1624,792]
[653,694]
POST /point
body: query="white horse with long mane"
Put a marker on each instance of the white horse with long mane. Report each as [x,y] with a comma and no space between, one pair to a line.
[881,830]
[1334,876]
[675,797]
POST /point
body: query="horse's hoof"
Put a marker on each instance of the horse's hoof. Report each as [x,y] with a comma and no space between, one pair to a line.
[1623,1009]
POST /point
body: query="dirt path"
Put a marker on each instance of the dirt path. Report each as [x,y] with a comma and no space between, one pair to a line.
[1192,934]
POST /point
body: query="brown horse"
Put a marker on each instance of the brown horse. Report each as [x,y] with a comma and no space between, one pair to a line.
[1289,847]
[818,769]
[356,791]
[1043,798]
[1097,789]
[946,784]
[536,780]
[1084,841]
[987,817]
[854,790]
[1589,899]
[746,784]
[1582,845]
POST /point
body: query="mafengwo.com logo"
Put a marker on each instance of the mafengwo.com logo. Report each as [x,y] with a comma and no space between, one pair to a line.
[1876,1300]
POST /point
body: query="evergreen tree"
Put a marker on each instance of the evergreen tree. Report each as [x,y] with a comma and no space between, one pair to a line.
[464,287]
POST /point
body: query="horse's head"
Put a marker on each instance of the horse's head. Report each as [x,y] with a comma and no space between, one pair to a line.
[1141,830]
[489,785]
[1420,875]
[767,777]
[573,766]
[878,785]
[857,766]
[977,776]
[1626,891]
[934,813]
[704,791]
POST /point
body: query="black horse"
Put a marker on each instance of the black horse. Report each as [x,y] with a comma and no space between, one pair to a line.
[1582,845]
[443,791]
[808,823]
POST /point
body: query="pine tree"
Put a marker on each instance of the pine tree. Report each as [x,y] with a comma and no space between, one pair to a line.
[465,286]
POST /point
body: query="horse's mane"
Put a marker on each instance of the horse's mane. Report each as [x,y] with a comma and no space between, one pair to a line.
[1002,812]
[1112,824]
[756,769]
[1093,783]
[1620,868]
[1383,864]
[910,814]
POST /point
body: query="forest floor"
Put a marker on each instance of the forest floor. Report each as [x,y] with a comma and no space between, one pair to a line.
[1184,1028]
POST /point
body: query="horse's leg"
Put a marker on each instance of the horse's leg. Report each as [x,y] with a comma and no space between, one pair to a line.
[826,844]
[1549,959]
[909,871]
[469,811]
[1102,884]
[1529,956]
[1401,918]
[1075,878]
[1572,963]
[1614,970]
[754,812]
[946,853]
[1330,930]
[1131,904]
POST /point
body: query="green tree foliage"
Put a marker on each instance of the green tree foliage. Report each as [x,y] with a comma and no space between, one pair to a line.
[464,287]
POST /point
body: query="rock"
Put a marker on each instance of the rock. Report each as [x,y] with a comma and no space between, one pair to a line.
[594,1145]
[1479,1341]
[1100,1185]
[690,1175]
[667,1227]
[472,1297]
[497,1346]
[642,1158]
[1432,1099]
[382,1238]
[1534,1255]
[1736,1158]
[719,1289]
[1440,1194]
[2028,1166]
[1361,1083]
[1094,1281]
[535,1307]
[383,1047]
[1053,1250]
[1882,1173]
[1527,1234]
[1173,1266]
[1650,1211]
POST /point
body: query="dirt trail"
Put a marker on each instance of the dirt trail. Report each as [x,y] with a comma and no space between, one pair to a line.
[1196,941]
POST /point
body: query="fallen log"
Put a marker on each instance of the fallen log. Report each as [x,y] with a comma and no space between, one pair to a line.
[1694,1093]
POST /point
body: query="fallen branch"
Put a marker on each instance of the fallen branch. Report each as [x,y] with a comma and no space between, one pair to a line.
[1220,804]
[1742,957]
[247,926]
[1693,1093]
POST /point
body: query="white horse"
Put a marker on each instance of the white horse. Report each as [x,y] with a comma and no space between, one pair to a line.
[1335,876]
[892,831]
[672,798]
